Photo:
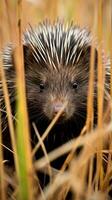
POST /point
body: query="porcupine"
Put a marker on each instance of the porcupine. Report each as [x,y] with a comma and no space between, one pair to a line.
[57,64]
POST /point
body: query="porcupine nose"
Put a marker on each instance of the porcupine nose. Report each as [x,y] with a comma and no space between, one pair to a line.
[57,106]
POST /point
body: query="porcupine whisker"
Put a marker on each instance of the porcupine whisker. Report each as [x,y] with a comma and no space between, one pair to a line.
[82,117]
[39,115]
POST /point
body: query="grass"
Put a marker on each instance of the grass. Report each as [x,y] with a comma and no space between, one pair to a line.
[24,181]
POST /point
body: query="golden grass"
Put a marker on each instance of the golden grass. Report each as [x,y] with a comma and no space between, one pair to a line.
[14,17]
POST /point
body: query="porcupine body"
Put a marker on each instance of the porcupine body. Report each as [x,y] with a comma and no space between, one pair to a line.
[57,63]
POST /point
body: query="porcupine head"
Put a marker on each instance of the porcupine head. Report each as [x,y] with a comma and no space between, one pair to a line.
[57,61]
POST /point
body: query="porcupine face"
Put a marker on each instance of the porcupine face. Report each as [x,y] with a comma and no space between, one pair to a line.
[57,60]
[48,92]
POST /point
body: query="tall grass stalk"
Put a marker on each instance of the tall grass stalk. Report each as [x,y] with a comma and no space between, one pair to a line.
[23,139]
[13,20]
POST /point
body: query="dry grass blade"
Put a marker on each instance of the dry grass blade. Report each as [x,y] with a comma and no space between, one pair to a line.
[43,148]
[97,15]
[51,189]
[2,183]
[75,177]
[101,71]
[73,144]
[90,111]
[90,101]
[9,114]
[100,89]
[109,162]
[49,128]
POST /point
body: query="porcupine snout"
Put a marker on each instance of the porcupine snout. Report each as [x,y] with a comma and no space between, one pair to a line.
[54,105]
[57,106]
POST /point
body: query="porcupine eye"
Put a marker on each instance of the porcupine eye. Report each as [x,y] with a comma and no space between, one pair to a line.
[42,87]
[75,85]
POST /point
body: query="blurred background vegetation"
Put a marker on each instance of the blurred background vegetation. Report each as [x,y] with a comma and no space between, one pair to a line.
[81,12]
